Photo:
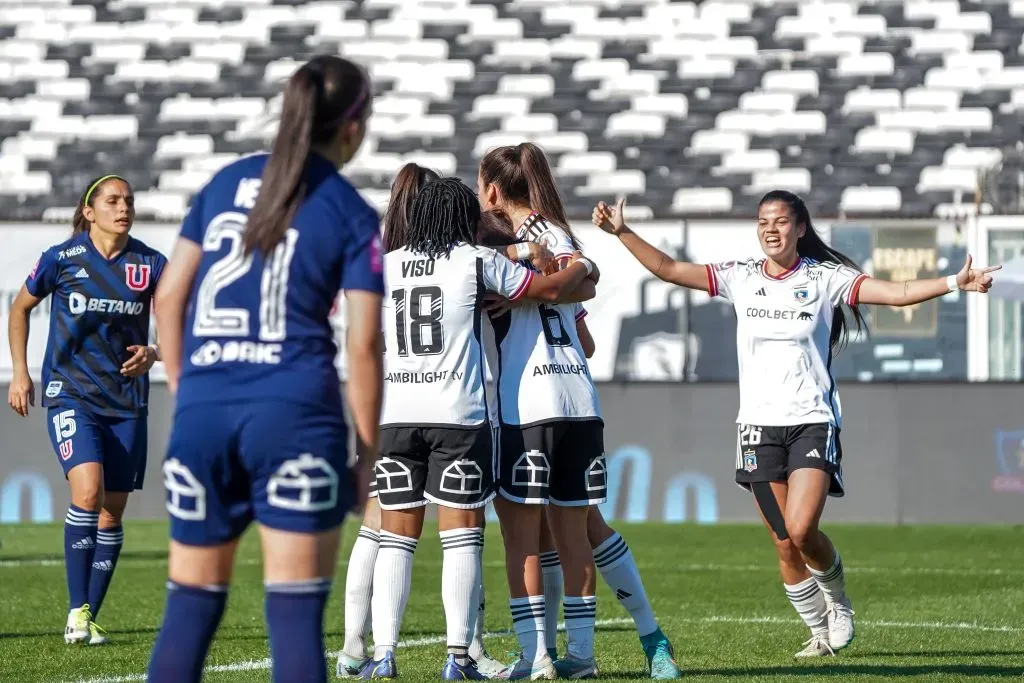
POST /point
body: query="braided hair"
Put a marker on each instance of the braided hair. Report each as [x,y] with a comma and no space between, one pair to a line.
[445,212]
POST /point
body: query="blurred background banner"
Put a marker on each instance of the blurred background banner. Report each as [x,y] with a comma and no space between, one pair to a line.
[670,450]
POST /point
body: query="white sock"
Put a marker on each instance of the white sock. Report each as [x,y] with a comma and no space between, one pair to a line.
[476,647]
[552,571]
[392,578]
[528,622]
[580,613]
[460,585]
[809,602]
[358,589]
[832,581]
[618,568]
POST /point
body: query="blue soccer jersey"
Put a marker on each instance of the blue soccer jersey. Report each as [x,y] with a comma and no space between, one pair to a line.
[100,307]
[257,326]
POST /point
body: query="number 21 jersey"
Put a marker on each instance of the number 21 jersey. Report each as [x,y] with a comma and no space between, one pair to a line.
[257,326]
[433,336]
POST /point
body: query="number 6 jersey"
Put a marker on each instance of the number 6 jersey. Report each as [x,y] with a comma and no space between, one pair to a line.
[541,369]
[433,333]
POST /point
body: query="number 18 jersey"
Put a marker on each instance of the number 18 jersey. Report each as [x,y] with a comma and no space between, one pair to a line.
[257,326]
[433,333]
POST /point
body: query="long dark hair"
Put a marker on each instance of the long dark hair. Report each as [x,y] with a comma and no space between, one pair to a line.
[325,93]
[79,223]
[408,183]
[813,247]
[523,174]
[446,211]
[495,230]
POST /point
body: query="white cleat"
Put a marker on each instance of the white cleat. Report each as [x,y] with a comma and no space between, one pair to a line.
[77,629]
[817,646]
[543,670]
[97,636]
[349,666]
[489,666]
[840,624]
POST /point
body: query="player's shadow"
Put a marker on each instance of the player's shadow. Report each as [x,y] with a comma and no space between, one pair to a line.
[51,557]
[936,654]
[889,671]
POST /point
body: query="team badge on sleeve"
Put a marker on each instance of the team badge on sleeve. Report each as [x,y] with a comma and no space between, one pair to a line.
[136,276]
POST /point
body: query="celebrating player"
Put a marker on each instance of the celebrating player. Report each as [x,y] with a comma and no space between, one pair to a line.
[97,388]
[436,441]
[610,552]
[259,430]
[789,307]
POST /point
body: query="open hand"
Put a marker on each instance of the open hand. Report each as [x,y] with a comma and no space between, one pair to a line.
[975,279]
[141,361]
[21,394]
[608,219]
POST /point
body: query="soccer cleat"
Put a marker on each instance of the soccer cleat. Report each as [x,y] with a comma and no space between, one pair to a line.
[525,670]
[840,624]
[97,634]
[453,671]
[489,666]
[571,667]
[77,629]
[817,646]
[349,667]
[661,661]
[385,667]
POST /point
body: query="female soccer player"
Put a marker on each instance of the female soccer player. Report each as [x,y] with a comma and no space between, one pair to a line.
[610,552]
[789,307]
[436,440]
[95,373]
[259,429]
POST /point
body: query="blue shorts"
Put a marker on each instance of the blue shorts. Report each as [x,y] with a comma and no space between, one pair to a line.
[284,465]
[118,443]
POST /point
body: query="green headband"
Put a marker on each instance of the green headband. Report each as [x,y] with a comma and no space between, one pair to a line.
[92,188]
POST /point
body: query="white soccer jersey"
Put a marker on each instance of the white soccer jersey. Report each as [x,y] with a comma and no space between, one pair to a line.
[782,337]
[543,373]
[433,320]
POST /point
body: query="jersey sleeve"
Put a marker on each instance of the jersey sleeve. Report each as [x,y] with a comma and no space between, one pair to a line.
[42,280]
[508,279]
[722,278]
[363,266]
[844,285]
[159,263]
[560,244]
[192,227]
[579,312]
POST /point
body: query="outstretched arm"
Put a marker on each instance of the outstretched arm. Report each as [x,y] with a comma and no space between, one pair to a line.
[657,262]
[886,293]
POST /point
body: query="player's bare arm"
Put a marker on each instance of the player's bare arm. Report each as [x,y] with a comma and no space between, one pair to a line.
[170,302]
[21,393]
[586,339]
[657,262]
[552,288]
[886,293]
[365,386]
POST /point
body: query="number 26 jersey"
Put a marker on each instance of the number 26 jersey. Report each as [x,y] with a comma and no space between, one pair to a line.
[433,333]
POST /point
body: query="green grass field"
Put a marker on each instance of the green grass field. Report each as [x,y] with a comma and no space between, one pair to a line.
[933,604]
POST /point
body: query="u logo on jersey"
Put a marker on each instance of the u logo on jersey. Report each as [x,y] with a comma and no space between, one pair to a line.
[136,276]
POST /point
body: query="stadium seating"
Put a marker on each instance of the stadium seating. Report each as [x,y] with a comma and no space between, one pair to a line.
[869,107]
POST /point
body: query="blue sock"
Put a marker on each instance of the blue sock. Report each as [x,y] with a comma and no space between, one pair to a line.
[79,547]
[108,548]
[295,621]
[190,620]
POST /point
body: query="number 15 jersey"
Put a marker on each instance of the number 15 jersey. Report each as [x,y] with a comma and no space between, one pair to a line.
[433,335]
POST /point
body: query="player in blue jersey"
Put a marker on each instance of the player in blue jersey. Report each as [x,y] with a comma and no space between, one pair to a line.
[95,377]
[259,429]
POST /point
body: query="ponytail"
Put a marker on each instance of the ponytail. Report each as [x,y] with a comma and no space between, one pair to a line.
[325,93]
[811,246]
[408,183]
[524,176]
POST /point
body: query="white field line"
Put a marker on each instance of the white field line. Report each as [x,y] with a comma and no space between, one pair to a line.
[688,568]
[264,664]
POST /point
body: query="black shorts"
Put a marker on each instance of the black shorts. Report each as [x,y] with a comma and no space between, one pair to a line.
[561,462]
[772,453]
[444,465]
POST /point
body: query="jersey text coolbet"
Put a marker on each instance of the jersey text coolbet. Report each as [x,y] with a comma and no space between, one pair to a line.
[100,307]
[258,327]
[782,337]
[544,374]
[434,362]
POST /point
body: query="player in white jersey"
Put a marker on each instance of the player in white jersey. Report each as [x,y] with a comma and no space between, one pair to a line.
[611,554]
[790,320]
[436,440]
